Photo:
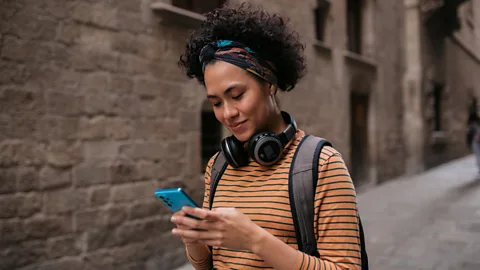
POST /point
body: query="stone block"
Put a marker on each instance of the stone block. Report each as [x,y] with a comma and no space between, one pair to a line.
[123,170]
[85,176]
[98,239]
[57,128]
[101,151]
[125,42]
[22,254]
[25,50]
[92,128]
[99,196]
[111,105]
[51,177]
[68,32]
[130,21]
[101,260]
[62,246]
[148,170]
[152,107]
[11,72]
[25,153]
[6,127]
[46,227]
[64,201]
[121,85]
[64,154]
[64,104]
[133,192]
[118,128]
[148,151]
[22,127]
[147,87]
[11,99]
[22,25]
[66,82]
[67,263]
[89,220]
[115,216]
[132,252]
[12,231]
[31,204]
[133,65]
[8,181]
[148,209]
[10,205]
[96,83]
[28,179]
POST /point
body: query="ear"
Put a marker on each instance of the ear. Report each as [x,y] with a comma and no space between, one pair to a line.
[273,89]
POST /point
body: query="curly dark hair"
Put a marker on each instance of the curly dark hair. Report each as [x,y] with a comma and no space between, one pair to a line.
[267,34]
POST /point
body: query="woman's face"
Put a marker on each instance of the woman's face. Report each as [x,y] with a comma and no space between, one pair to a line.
[241,102]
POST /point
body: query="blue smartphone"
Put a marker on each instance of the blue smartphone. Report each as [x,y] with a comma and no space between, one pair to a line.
[175,198]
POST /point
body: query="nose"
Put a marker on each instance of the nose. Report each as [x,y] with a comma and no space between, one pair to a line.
[229,111]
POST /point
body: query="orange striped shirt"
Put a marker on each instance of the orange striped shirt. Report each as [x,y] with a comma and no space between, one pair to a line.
[262,194]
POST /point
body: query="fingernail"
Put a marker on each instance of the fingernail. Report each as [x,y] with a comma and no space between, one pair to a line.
[173,219]
[174,231]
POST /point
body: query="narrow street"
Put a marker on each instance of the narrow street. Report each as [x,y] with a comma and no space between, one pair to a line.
[427,221]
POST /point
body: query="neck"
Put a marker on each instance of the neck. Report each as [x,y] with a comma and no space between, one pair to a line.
[278,124]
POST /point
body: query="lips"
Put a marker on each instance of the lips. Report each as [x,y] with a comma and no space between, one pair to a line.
[236,126]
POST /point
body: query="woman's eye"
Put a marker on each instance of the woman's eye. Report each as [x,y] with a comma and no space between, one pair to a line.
[216,104]
[238,96]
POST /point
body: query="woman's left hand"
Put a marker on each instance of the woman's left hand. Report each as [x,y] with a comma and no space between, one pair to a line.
[224,227]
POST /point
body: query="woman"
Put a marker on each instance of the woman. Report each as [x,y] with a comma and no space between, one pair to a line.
[243,56]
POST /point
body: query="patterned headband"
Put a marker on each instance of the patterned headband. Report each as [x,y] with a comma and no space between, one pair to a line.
[239,55]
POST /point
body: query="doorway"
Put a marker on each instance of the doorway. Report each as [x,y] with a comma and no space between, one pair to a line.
[359,138]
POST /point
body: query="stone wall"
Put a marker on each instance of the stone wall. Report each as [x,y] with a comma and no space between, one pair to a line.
[94,116]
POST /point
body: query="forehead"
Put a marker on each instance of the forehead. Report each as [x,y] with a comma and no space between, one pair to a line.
[221,75]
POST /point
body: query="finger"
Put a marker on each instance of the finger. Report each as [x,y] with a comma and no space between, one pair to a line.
[200,213]
[188,222]
[212,243]
[198,235]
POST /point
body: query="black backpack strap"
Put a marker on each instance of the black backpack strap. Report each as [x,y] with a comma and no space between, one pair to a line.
[302,184]
[218,168]
[363,249]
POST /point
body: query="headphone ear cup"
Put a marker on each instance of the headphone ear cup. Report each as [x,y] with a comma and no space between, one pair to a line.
[252,144]
[265,148]
[234,152]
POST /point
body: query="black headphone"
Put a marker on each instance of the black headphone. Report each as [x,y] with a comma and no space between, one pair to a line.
[264,147]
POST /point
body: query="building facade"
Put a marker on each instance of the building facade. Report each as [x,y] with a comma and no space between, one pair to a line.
[440,82]
[95,115]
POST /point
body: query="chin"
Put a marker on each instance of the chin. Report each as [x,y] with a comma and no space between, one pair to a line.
[244,136]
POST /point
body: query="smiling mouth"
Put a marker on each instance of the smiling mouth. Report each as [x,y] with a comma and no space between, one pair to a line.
[237,125]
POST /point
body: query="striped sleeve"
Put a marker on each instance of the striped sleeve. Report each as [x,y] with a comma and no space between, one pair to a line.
[204,263]
[337,228]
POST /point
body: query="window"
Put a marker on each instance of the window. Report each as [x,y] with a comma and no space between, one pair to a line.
[211,136]
[321,15]
[199,6]
[354,25]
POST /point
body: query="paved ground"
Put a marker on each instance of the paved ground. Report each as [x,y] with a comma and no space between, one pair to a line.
[428,221]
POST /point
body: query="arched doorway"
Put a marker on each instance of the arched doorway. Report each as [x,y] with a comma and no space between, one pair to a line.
[211,133]
[359,103]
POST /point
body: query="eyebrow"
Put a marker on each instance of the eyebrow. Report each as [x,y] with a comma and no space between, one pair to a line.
[228,90]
